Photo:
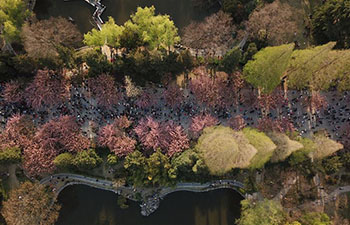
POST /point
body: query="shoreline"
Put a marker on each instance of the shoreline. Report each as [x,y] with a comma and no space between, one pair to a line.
[150,197]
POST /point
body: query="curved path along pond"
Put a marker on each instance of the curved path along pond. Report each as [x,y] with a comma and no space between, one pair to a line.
[83,205]
[148,197]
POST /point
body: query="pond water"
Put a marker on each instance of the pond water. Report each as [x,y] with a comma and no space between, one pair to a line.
[83,205]
[181,11]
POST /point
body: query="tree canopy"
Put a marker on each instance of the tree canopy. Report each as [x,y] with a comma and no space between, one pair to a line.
[109,34]
[144,27]
[263,144]
[29,204]
[44,38]
[331,22]
[263,212]
[12,16]
[266,68]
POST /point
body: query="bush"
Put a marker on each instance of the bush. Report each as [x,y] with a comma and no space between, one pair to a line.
[285,146]
[231,60]
[265,212]
[262,143]
[10,155]
[64,160]
[87,159]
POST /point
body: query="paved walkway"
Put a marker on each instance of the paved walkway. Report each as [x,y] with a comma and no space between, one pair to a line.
[150,197]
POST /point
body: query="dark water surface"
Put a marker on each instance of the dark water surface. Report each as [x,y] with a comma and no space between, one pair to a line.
[181,11]
[83,205]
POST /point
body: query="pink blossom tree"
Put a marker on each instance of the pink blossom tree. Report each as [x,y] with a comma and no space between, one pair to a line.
[211,91]
[12,92]
[168,137]
[54,137]
[18,132]
[199,122]
[37,161]
[173,95]
[47,89]
[271,101]
[280,125]
[149,132]
[61,135]
[175,139]
[146,99]
[114,137]
[236,84]
[104,90]
[122,122]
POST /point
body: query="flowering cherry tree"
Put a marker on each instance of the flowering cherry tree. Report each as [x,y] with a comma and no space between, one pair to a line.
[173,95]
[271,101]
[18,132]
[104,90]
[199,122]
[114,137]
[210,91]
[47,89]
[280,125]
[12,92]
[146,99]
[54,137]
[175,139]
[149,132]
[167,136]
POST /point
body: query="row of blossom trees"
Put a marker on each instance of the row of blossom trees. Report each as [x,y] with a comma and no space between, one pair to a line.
[49,89]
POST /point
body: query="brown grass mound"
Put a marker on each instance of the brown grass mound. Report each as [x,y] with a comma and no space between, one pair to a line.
[325,147]
[285,146]
[224,149]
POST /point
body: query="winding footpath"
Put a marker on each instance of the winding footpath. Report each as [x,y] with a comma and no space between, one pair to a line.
[150,197]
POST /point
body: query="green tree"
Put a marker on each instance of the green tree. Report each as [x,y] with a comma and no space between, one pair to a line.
[12,16]
[109,34]
[262,143]
[10,155]
[301,155]
[332,165]
[188,164]
[248,54]
[155,30]
[135,164]
[267,67]
[97,62]
[86,159]
[158,167]
[267,212]
[239,9]
[64,160]
[306,65]
[231,60]
[331,22]
[30,204]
